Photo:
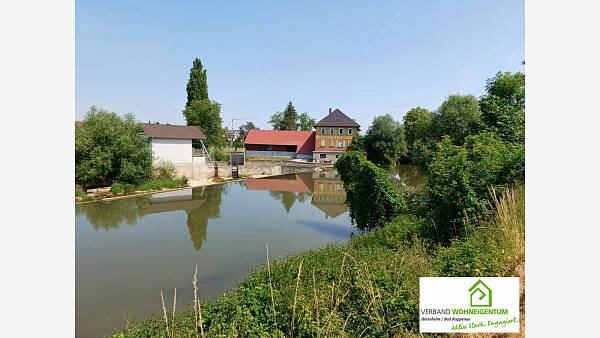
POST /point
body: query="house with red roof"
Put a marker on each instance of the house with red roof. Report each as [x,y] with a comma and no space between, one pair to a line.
[280,143]
[332,137]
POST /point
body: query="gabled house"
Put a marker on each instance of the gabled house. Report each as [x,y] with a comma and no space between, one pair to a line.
[173,144]
[333,135]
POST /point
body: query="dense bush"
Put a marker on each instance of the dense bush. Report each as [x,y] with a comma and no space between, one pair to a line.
[459,179]
[219,154]
[110,148]
[372,198]
[79,192]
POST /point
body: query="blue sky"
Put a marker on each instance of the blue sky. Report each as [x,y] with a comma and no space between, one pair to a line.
[367,60]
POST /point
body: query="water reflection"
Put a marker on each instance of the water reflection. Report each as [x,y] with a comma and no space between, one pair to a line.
[404,176]
[210,199]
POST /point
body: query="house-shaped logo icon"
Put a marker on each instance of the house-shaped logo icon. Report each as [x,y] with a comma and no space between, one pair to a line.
[481,295]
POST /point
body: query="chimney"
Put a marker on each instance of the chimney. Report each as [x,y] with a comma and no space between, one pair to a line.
[330,110]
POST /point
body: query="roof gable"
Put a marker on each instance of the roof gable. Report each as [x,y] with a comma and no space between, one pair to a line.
[172,131]
[337,119]
[305,140]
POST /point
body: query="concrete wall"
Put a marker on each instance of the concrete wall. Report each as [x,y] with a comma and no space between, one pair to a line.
[172,150]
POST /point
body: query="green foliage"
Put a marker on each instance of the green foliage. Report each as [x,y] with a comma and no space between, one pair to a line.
[109,148]
[219,154]
[206,115]
[165,171]
[289,119]
[120,187]
[197,87]
[459,179]
[417,126]
[305,122]
[79,192]
[358,144]
[372,198]
[457,117]
[503,106]
[162,184]
[384,141]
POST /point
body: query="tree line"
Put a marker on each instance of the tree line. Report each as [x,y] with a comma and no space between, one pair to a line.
[471,150]
[501,110]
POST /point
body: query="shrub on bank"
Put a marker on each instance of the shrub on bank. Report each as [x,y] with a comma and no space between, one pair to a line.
[459,179]
[372,198]
[111,148]
[120,187]
[79,192]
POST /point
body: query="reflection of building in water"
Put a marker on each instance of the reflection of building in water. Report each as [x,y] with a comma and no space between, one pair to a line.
[295,183]
[329,194]
[172,201]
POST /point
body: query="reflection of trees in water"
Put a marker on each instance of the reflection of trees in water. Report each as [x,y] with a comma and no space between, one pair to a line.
[403,176]
[197,219]
[288,198]
[111,214]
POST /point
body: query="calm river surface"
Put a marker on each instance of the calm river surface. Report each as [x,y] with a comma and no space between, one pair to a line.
[127,251]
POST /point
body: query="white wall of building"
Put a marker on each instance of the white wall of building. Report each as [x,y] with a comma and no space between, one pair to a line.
[172,150]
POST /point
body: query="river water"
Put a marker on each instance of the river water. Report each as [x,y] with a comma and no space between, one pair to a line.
[128,250]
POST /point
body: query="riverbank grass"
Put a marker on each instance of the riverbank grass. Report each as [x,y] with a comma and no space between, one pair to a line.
[367,287]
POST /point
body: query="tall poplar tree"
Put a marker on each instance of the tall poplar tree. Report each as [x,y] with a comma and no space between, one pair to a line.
[197,88]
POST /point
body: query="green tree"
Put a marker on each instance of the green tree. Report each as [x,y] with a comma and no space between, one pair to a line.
[459,179]
[457,117]
[277,121]
[286,120]
[206,115]
[384,141]
[417,126]
[290,117]
[358,144]
[110,148]
[503,106]
[305,122]
[372,198]
[197,87]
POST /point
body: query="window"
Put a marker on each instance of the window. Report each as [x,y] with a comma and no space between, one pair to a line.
[322,130]
[338,187]
[322,155]
[337,156]
[349,131]
[341,131]
[331,131]
[330,186]
[320,186]
[322,143]
[340,144]
[321,175]
[330,143]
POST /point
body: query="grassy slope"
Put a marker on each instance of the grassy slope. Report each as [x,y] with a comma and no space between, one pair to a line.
[368,286]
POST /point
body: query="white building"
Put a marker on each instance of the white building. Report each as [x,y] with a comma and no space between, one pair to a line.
[173,144]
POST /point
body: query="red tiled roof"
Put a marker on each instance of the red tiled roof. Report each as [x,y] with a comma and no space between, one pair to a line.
[305,140]
[278,184]
[172,131]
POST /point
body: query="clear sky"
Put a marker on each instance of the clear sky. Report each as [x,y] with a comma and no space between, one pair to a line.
[366,58]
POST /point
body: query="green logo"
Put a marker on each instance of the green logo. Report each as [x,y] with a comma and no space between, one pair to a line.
[481,295]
